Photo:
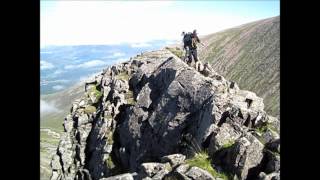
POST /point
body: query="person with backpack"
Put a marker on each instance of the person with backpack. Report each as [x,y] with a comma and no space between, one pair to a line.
[193,49]
[186,44]
[190,41]
[183,34]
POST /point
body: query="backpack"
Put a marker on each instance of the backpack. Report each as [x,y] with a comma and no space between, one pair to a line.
[194,42]
[187,40]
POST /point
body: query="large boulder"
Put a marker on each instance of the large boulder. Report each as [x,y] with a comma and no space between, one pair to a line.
[244,155]
[272,162]
[271,176]
[224,137]
[174,159]
[198,173]
[154,170]
[180,103]
[248,99]
[274,145]
[180,172]
[126,176]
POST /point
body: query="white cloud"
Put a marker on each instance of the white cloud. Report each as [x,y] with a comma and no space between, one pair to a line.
[57,87]
[46,52]
[92,63]
[84,22]
[143,44]
[88,64]
[171,42]
[115,22]
[58,72]
[90,76]
[121,59]
[47,107]
[46,65]
[83,78]
[46,82]
[116,54]
[70,66]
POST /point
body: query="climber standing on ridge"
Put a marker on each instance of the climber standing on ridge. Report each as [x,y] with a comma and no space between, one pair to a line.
[186,40]
[190,41]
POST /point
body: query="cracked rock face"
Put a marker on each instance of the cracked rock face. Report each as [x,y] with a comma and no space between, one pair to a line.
[143,118]
[181,103]
[244,155]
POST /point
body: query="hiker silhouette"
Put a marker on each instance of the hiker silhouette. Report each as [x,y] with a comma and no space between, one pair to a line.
[190,41]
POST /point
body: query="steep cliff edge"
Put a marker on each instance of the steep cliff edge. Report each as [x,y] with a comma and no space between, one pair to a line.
[145,118]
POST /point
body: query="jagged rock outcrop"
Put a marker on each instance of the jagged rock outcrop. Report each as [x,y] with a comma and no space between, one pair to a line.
[142,118]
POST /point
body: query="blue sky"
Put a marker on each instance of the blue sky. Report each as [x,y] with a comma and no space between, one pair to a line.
[114,22]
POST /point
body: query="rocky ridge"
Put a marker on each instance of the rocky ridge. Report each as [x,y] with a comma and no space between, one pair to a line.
[144,118]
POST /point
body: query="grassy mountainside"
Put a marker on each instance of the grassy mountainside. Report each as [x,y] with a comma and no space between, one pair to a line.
[62,101]
[249,55]
[48,147]
[51,124]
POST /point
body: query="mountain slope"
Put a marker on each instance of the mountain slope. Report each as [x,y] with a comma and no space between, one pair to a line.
[249,55]
[61,101]
[51,123]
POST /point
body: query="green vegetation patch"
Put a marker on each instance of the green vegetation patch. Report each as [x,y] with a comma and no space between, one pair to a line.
[265,127]
[48,145]
[97,93]
[122,76]
[109,137]
[129,97]
[276,153]
[228,144]
[90,109]
[261,140]
[94,91]
[176,51]
[46,138]
[55,123]
[108,117]
[128,94]
[131,101]
[109,163]
[201,160]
